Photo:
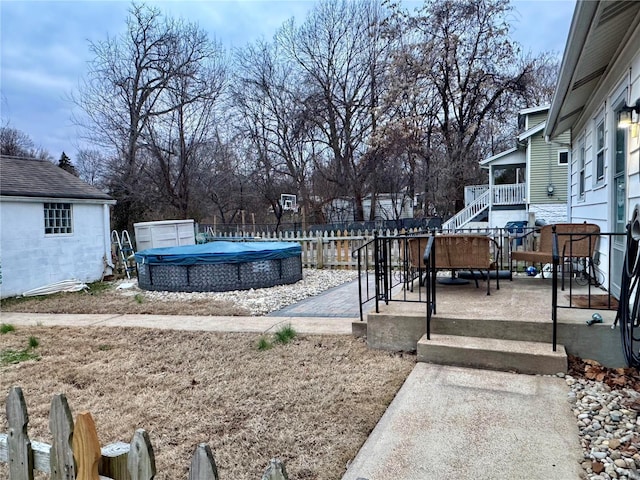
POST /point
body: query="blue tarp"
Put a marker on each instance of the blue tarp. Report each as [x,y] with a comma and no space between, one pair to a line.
[218,252]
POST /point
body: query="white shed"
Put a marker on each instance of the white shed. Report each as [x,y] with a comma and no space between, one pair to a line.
[53,227]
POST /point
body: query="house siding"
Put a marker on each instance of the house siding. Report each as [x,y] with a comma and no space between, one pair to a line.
[544,170]
[633,143]
[597,204]
[534,119]
[31,259]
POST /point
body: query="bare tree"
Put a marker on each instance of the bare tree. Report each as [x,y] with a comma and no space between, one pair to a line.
[269,97]
[121,93]
[176,139]
[339,54]
[463,51]
[91,165]
[16,143]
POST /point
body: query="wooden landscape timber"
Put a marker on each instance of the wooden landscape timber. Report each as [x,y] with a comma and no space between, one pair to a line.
[75,452]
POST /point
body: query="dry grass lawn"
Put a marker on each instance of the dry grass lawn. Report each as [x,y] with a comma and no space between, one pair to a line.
[104,298]
[312,402]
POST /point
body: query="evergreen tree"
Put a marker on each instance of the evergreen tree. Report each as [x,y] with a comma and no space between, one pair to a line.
[65,164]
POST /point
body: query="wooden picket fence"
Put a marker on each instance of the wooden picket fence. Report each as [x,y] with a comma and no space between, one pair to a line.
[320,249]
[75,452]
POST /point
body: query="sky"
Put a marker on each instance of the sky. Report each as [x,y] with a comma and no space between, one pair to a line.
[44,47]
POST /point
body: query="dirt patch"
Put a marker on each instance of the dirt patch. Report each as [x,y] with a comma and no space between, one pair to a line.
[312,402]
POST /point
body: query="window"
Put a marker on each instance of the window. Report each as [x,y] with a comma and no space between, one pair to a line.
[57,218]
[563,158]
[581,175]
[600,152]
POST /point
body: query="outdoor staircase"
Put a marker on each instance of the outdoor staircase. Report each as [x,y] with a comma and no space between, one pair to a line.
[511,346]
[464,216]
[492,354]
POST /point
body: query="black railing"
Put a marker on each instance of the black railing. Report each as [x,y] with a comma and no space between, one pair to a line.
[554,288]
[578,271]
[388,267]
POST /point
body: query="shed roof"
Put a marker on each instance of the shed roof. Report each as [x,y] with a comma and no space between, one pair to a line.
[29,177]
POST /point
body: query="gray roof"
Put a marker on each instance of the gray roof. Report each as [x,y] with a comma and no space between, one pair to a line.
[28,177]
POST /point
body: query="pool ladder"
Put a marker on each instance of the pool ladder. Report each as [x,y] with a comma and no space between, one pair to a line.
[123,251]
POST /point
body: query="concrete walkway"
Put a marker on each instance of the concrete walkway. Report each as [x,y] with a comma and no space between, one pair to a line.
[306,325]
[457,423]
[445,422]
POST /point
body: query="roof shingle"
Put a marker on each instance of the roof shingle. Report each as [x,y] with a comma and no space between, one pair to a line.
[27,177]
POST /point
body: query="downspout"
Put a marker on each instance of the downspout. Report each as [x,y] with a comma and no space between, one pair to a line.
[106,238]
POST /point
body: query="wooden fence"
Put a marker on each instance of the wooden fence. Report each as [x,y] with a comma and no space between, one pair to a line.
[75,452]
[320,249]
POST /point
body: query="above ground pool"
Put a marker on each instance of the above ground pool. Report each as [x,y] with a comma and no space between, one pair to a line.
[219,266]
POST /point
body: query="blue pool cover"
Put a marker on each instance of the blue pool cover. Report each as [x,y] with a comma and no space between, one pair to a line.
[218,252]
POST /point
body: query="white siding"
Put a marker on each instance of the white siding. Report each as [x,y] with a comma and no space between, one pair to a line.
[597,204]
[499,218]
[633,159]
[29,259]
[550,212]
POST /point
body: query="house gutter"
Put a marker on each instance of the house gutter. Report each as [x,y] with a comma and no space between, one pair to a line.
[580,24]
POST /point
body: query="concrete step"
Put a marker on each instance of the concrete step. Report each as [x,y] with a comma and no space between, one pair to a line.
[401,327]
[493,354]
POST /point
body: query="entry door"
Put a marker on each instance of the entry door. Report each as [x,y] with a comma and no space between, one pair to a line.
[619,214]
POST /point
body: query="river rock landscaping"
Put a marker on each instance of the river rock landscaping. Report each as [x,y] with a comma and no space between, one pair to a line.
[606,403]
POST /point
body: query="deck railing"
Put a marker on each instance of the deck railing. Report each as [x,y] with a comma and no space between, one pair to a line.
[473,192]
[511,194]
[387,273]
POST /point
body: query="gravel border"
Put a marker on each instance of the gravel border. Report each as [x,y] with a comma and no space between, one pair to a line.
[609,429]
[259,301]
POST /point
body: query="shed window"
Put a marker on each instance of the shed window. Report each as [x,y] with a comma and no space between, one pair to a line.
[600,152]
[563,158]
[57,218]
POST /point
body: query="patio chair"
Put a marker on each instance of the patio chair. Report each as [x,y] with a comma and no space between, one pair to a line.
[575,241]
[458,252]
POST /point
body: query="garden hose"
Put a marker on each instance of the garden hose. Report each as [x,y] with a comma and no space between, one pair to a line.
[630,294]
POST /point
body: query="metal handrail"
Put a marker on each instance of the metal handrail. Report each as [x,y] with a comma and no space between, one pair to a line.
[391,268]
[429,259]
[554,294]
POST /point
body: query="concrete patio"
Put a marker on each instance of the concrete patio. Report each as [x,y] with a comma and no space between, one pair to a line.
[521,311]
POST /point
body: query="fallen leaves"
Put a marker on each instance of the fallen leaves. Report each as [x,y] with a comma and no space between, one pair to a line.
[615,378]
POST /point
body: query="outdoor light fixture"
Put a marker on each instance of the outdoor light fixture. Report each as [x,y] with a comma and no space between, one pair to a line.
[628,115]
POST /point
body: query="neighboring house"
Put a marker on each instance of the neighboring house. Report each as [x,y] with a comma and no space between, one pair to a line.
[389,206]
[53,227]
[526,183]
[599,80]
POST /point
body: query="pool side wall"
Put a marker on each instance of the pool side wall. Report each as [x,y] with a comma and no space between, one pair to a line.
[221,277]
